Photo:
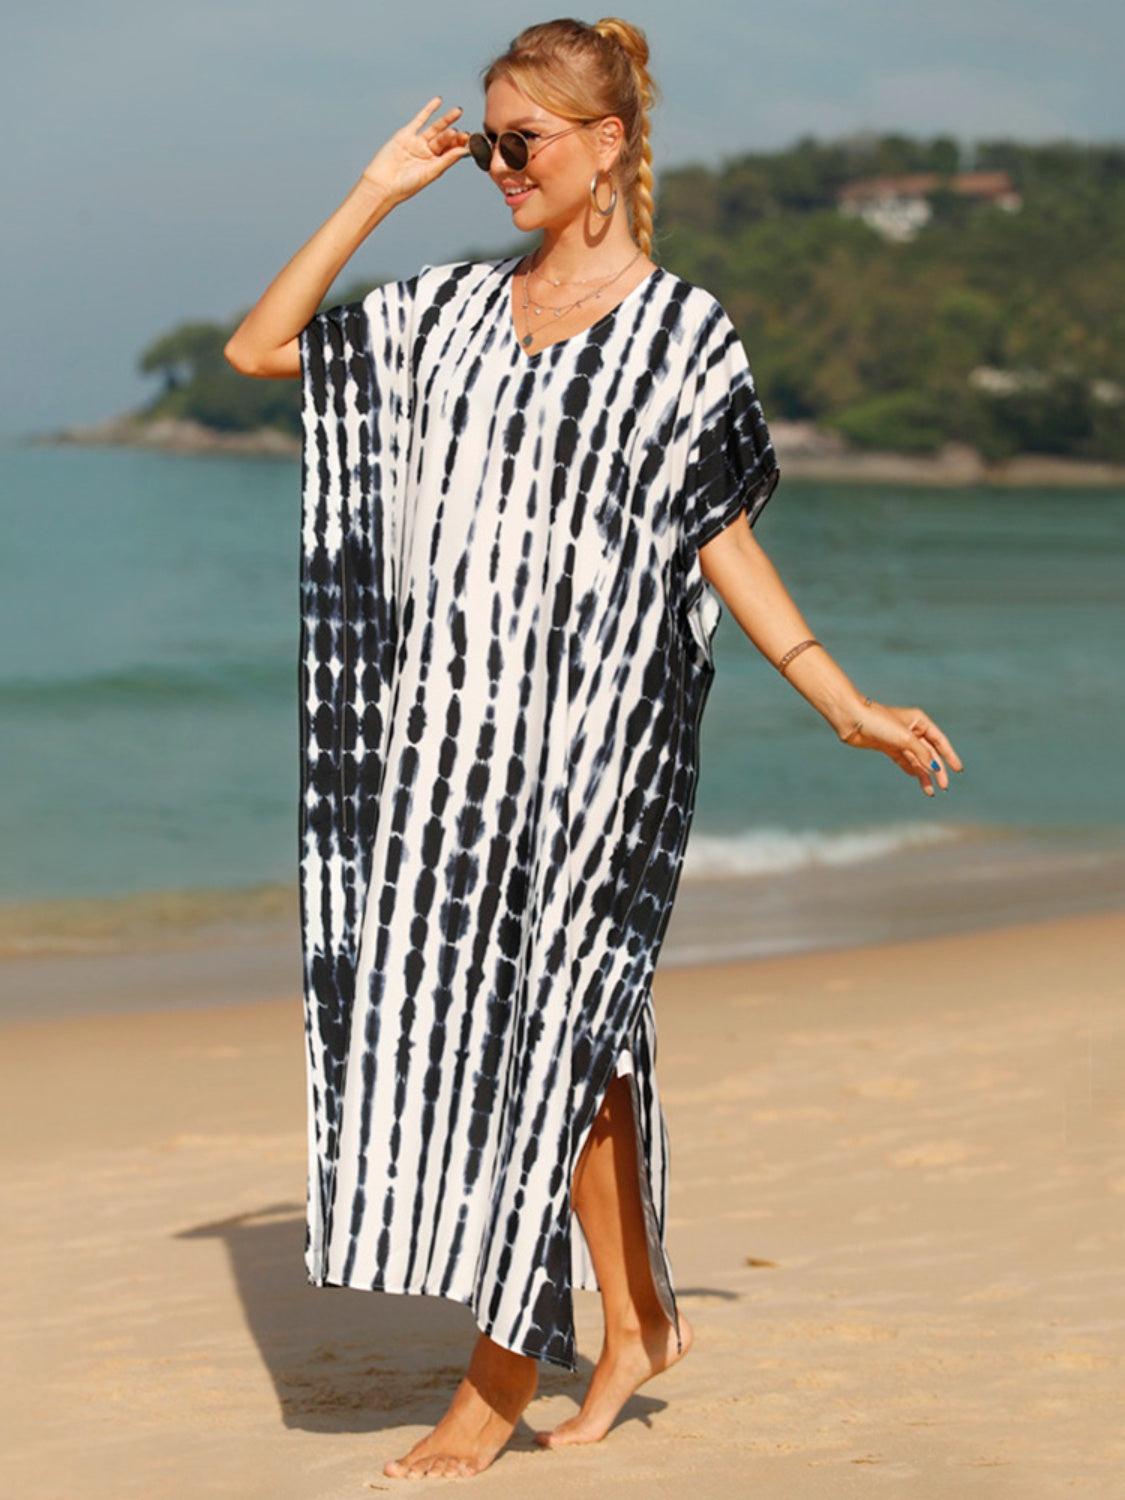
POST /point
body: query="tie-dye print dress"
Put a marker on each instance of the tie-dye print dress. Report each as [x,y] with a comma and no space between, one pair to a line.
[505,651]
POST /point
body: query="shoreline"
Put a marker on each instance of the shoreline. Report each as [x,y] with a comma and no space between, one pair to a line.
[808,454]
[175,948]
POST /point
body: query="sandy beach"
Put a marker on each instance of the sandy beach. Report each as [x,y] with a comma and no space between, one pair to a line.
[897,1221]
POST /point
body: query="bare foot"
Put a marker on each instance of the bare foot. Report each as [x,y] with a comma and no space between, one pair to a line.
[621,1370]
[480,1419]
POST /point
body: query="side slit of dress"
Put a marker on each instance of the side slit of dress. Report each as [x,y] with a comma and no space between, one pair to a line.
[654,1239]
[658,1264]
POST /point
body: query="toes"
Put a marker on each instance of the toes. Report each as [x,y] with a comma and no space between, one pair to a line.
[449,1466]
[439,1466]
[430,1466]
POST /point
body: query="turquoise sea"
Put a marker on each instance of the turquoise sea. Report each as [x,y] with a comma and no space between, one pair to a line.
[148,710]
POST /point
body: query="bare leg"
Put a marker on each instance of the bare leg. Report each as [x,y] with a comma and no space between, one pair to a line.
[481,1417]
[639,1341]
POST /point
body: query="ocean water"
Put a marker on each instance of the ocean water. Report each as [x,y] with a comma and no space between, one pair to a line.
[148,708]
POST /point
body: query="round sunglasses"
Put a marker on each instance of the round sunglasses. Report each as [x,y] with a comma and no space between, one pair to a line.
[515,151]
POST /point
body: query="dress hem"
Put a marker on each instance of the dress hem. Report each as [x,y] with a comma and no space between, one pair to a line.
[417,1291]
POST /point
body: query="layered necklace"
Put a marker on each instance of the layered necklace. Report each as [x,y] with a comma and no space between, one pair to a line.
[528,338]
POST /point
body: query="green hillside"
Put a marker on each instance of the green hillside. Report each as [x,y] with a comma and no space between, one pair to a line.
[998,326]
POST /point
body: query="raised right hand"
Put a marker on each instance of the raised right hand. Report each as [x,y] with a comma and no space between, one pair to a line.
[411,161]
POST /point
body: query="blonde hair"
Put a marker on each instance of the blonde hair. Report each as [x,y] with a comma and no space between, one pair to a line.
[582,72]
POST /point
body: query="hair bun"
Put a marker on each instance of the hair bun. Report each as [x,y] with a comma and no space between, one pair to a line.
[627,37]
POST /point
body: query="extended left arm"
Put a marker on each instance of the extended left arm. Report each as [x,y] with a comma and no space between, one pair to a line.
[735,564]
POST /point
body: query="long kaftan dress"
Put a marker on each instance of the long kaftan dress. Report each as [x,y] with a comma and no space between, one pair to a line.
[505,651]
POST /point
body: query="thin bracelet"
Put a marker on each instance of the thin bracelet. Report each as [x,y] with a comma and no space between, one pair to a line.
[857,725]
[795,651]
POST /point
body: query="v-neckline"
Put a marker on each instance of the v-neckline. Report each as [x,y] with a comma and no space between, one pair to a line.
[509,313]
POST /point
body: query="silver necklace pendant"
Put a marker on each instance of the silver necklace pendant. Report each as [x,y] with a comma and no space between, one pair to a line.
[528,338]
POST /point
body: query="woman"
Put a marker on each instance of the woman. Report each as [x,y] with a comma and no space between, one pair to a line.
[520,476]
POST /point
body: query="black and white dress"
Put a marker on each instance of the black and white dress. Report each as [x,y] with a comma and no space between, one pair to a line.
[505,652]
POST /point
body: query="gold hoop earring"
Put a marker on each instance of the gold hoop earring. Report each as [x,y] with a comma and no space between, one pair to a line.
[605,212]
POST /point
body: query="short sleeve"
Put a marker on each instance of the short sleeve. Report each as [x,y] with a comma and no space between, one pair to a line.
[357,405]
[356,356]
[731,464]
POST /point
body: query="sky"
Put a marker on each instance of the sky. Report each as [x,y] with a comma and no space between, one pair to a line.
[162,163]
